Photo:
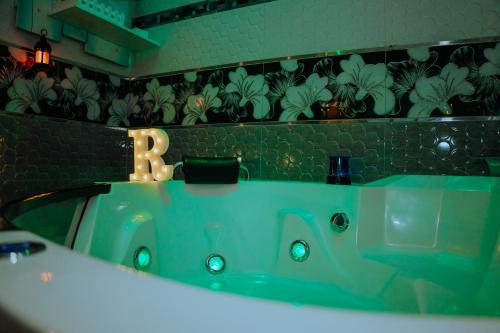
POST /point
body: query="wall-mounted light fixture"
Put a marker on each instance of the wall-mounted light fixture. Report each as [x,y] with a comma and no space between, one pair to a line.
[42,49]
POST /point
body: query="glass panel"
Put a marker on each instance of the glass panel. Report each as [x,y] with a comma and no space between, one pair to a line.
[51,221]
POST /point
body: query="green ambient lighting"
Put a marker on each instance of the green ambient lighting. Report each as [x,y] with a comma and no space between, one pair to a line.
[142,258]
[299,250]
[215,263]
[216,285]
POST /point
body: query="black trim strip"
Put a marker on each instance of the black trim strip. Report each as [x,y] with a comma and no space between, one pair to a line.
[190,11]
[17,207]
[79,222]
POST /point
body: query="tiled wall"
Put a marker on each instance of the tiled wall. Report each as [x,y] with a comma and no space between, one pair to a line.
[39,154]
[284,28]
[52,132]
[377,149]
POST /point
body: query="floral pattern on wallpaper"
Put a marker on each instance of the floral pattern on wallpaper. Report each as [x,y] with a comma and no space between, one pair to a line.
[458,80]
[299,99]
[431,93]
[26,94]
[61,90]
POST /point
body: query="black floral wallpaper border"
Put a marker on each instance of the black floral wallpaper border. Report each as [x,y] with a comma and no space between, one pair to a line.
[441,81]
[59,90]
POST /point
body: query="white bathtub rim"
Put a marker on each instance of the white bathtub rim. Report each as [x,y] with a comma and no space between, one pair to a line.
[66,303]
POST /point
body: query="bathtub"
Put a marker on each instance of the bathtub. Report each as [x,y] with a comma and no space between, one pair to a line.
[412,253]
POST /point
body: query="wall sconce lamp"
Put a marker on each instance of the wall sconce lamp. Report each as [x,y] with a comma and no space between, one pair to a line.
[42,49]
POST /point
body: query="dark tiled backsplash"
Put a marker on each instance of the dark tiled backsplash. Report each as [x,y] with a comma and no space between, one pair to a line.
[40,154]
[377,149]
[457,148]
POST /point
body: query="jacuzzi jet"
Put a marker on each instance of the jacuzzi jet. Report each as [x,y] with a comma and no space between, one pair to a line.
[339,222]
[142,258]
[299,250]
[215,263]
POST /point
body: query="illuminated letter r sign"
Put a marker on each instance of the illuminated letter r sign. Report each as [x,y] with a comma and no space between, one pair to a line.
[144,158]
